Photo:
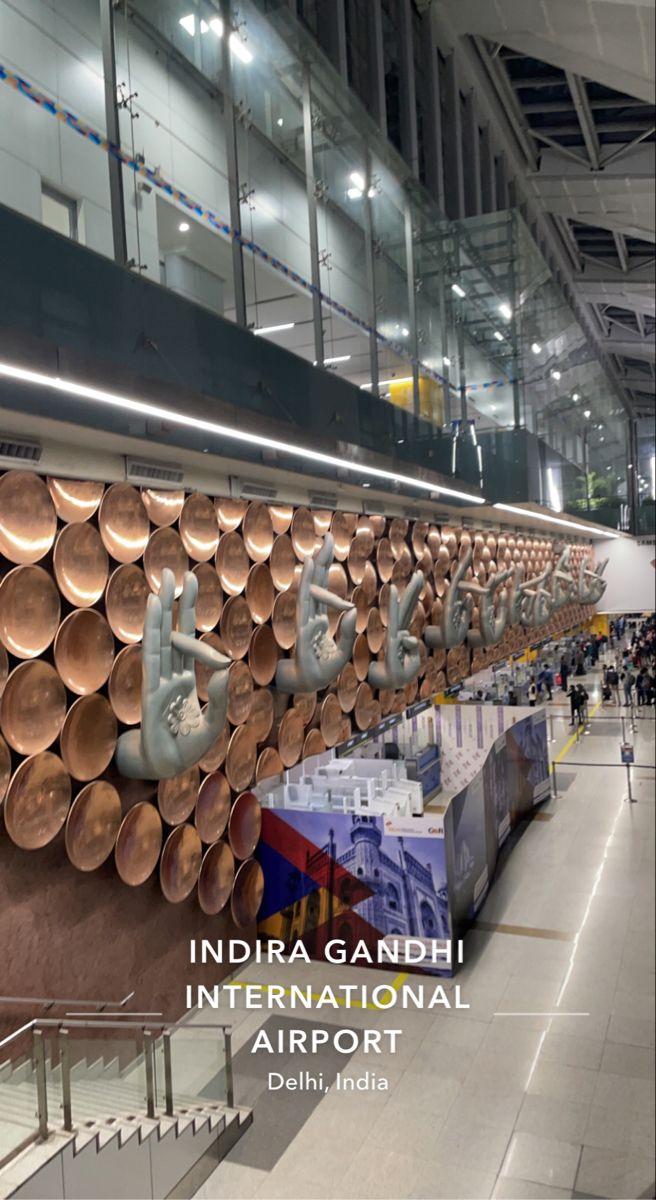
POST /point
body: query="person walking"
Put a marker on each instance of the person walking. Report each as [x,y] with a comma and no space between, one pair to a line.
[548,681]
[573,697]
[640,687]
[583,704]
[627,681]
[614,684]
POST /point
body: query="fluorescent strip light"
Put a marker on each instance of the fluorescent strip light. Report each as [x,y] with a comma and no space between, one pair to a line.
[273,328]
[335,359]
[506,311]
[385,382]
[498,336]
[131,405]
[528,512]
[455,287]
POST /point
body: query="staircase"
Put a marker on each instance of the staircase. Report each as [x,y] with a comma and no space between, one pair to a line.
[112,1128]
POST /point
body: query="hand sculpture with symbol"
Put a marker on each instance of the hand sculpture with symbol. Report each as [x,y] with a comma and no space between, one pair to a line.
[563,586]
[318,659]
[591,586]
[537,600]
[402,661]
[491,621]
[456,612]
[175,732]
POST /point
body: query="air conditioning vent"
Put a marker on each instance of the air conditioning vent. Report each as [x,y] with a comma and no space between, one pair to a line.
[374,508]
[247,490]
[13,450]
[323,500]
[138,470]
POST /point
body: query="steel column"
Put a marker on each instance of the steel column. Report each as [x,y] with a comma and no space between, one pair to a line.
[115,167]
[370,276]
[65,1065]
[412,305]
[455,186]
[377,64]
[473,188]
[433,144]
[233,166]
[230,1084]
[310,188]
[41,1084]
[149,1065]
[408,97]
[168,1073]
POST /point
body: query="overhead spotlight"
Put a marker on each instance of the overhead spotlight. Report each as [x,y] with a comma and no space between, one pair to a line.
[493,408]
[556,375]
[587,414]
[446,360]
[459,291]
[498,336]
[536,347]
[506,311]
[280,121]
[575,396]
[184,227]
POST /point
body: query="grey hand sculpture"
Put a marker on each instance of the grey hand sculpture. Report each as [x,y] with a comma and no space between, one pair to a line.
[562,583]
[492,621]
[537,604]
[318,659]
[456,612]
[174,733]
[402,661]
[590,592]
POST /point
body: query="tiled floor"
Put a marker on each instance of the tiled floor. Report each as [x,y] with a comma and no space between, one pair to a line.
[481,1104]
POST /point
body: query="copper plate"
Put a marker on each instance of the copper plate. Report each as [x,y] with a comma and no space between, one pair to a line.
[123,521]
[419,535]
[203,673]
[282,563]
[232,563]
[269,765]
[92,825]
[347,687]
[386,700]
[284,620]
[397,534]
[209,602]
[215,756]
[125,685]
[247,893]
[410,691]
[304,537]
[337,580]
[450,540]
[217,875]
[165,549]
[229,514]
[4,669]
[442,563]
[241,758]
[179,867]
[198,527]
[281,517]
[313,744]
[236,626]
[342,528]
[365,534]
[29,611]
[383,603]
[33,707]
[305,703]
[138,844]
[330,720]
[375,631]
[212,807]
[377,523]
[403,565]
[363,706]
[163,506]
[345,730]
[369,583]
[245,825]
[359,598]
[258,531]
[263,655]
[81,564]
[384,559]
[322,521]
[75,499]
[176,798]
[433,541]
[361,656]
[84,651]
[88,737]
[291,734]
[357,557]
[260,719]
[5,767]
[28,521]
[38,800]
[240,693]
[260,593]
[125,602]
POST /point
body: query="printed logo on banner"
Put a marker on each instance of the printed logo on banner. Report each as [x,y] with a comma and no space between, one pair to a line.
[430,826]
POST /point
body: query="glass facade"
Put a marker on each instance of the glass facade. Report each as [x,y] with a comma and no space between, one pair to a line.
[338,253]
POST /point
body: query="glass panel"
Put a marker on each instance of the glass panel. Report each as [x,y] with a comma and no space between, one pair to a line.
[107,1075]
[18,1083]
[197,1066]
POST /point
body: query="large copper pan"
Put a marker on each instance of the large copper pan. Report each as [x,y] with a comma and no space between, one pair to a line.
[37,801]
[330,719]
[322,519]
[5,767]
[260,720]
[81,564]
[263,655]
[84,651]
[232,563]
[284,620]
[361,656]
[378,523]
[33,707]
[313,744]
[245,825]
[29,611]
[357,557]
[165,549]
[305,703]
[92,825]
[347,688]
[359,599]
[418,538]
[291,733]
[75,499]
[216,754]
[398,531]
[179,866]
[28,521]
[260,593]
[209,602]
[88,737]
[247,893]
[125,602]
[282,563]
[364,706]
[163,506]
[198,527]
[203,673]
[433,541]
[176,798]
[241,758]
[240,693]
[384,559]
[369,583]
[217,875]
[123,522]
[304,536]
[229,513]
[342,527]
[375,631]
[138,844]
[4,669]
[236,626]
[212,807]
[269,765]
[281,517]
[258,531]
[125,685]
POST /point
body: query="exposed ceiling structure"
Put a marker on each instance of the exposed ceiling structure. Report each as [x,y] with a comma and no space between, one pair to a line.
[576,81]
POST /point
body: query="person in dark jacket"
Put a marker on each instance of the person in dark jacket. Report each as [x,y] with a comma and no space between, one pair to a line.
[564,673]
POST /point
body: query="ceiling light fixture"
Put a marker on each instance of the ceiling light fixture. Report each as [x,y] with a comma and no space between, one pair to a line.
[459,291]
[506,311]
[587,414]
[273,328]
[386,382]
[446,360]
[280,121]
[498,336]
[556,375]
[536,347]
[526,512]
[135,406]
[575,396]
[238,47]
[336,358]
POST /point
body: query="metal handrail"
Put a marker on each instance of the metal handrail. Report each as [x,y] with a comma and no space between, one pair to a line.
[53,1002]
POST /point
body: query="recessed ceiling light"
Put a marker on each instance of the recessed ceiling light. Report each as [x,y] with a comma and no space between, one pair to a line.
[556,375]
[587,414]
[184,227]
[505,310]
[498,336]
[455,287]
[536,348]
[280,121]
[273,328]
[575,396]
[493,408]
